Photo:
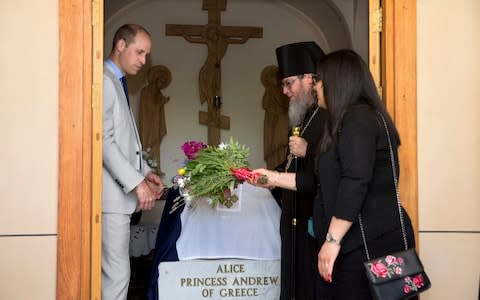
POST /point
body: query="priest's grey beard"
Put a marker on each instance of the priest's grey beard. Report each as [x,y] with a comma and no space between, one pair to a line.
[296,112]
[297,109]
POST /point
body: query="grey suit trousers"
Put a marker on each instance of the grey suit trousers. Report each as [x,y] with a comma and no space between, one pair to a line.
[115,256]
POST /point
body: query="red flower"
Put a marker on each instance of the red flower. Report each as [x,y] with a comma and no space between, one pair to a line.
[379,269]
[244,174]
[418,281]
[406,289]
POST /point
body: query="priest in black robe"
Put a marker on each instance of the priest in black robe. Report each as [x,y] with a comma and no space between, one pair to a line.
[297,66]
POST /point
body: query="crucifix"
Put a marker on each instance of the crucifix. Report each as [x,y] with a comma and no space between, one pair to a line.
[217,38]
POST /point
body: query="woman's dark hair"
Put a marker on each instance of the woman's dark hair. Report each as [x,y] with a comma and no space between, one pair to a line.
[346,81]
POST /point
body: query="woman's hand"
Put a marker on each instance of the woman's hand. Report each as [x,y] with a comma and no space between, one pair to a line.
[326,259]
[271,176]
[331,247]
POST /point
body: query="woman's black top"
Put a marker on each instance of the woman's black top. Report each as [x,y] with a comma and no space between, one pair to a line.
[355,176]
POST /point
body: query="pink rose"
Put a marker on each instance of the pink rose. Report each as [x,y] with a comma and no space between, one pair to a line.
[379,269]
[400,260]
[406,289]
[398,270]
[390,260]
[418,281]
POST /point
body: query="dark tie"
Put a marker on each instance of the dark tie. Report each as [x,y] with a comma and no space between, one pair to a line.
[125,88]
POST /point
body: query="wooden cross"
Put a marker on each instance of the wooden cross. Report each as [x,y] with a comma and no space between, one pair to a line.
[217,38]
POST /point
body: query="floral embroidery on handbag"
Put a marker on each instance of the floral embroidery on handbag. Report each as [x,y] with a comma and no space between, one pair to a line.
[413,284]
[391,266]
[387,268]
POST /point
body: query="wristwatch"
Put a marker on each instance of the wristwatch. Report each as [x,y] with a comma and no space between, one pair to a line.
[331,239]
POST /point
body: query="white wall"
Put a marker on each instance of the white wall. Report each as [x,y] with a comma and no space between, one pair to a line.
[355,14]
[449,146]
[448,139]
[29,123]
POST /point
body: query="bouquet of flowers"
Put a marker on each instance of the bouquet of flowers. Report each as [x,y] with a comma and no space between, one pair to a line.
[212,173]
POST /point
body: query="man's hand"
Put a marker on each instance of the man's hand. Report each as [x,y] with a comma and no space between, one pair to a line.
[155,184]
[297,146]
[146,197]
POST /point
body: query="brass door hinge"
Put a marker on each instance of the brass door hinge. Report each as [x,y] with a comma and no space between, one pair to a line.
[380,92]
[378,20]
[95,13]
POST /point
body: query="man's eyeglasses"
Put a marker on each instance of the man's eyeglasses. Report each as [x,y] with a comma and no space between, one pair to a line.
[289,82]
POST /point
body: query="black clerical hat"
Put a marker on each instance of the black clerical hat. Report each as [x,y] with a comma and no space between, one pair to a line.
[298,58]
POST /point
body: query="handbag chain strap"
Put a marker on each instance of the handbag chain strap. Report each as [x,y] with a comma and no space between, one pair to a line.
[395,180]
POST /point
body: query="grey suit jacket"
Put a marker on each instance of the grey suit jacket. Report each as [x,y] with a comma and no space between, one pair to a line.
[123,166]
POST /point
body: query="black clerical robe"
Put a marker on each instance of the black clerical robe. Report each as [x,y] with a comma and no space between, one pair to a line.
[299,250]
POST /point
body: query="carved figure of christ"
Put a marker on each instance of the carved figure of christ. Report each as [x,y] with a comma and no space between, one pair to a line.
[217,38]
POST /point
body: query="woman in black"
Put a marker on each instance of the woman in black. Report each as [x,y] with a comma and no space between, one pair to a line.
[353,176]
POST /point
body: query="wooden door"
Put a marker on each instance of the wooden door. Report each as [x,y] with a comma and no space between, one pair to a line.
[80,149]
[392,61]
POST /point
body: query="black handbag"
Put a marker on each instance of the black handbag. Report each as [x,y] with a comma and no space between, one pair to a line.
[398,275]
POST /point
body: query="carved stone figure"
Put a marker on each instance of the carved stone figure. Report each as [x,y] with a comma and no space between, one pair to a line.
[152,127]
[275,127]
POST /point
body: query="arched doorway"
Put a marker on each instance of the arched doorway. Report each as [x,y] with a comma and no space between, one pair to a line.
[81,55]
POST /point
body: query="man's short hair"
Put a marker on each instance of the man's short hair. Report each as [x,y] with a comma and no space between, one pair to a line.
[128,32]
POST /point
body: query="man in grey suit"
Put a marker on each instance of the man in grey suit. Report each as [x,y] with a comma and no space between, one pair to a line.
[128,183]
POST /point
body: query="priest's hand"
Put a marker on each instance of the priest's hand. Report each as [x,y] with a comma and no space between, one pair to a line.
[297,146]
[146,197]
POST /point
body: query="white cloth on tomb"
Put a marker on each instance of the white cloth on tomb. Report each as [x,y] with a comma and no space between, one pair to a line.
[249,230]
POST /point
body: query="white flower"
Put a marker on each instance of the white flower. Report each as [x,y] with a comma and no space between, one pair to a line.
[181,182]
[150,158]
[182,191]
[222,146]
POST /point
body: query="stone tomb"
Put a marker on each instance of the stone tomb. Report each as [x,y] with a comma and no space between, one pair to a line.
[226,253]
